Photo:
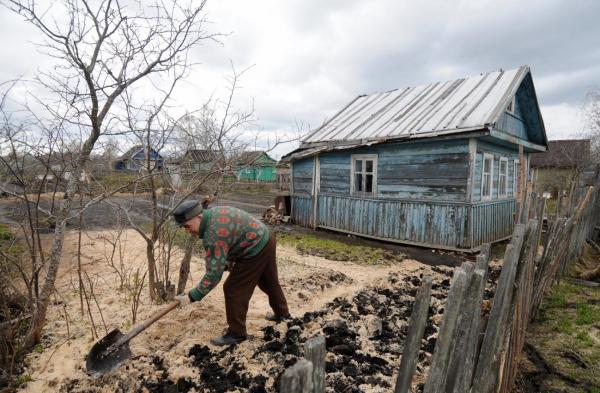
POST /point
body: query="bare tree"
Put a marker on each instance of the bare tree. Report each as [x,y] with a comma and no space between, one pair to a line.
[592,118]
[102,49]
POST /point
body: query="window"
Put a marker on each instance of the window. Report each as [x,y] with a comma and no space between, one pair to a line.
[511,106]
[486,176]
[516,179]
[364,173]
[502,176]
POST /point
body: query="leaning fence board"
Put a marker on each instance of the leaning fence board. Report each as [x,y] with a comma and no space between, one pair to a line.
[314,351]
[486,373]
[467,351]
[459,376]
[445,342]
[298,378]
[416,328]
[520,307]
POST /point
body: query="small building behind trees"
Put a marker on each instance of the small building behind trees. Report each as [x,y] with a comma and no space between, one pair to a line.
[199,160]
[255,166]
[563,162]
[136,158]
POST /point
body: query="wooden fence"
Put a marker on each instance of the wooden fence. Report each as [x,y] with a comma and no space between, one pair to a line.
[475,354]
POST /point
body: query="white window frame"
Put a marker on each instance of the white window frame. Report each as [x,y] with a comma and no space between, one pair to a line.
[515,178]
[505,193]
[491,178]
[363,157]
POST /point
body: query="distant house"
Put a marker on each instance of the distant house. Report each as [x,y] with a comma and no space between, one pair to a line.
[435,165]
[135,159]
[564,161]
[255,166]
[199,160]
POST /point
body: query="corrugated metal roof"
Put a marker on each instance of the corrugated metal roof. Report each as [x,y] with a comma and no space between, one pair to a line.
[453,106]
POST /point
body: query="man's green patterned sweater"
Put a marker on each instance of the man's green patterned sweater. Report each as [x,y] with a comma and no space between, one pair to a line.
[227,234]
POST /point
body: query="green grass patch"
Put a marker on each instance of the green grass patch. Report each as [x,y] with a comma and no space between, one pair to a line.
[587,314]
[584,339]
[5,233]
[337,250]
[565,325]
[568,322]
[23,379]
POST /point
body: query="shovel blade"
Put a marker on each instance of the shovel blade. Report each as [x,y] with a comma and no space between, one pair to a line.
[104,356]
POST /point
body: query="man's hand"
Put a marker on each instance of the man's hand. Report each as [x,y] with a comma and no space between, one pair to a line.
[184,300]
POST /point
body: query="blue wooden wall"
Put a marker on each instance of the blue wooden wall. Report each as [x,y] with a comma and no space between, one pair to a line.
[421,194]
[424,170]
[302,174]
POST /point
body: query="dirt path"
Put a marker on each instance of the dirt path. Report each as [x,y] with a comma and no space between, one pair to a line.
[310,283]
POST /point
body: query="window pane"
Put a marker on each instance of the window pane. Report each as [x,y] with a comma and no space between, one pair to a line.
[369,166]
[358,166]
[487,165]
[369,183]
[358,186]
[486,185]
[503,167]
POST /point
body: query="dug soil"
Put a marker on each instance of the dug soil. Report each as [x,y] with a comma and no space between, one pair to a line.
[362,310]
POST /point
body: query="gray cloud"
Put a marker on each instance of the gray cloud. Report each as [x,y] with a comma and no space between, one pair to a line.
[312,57]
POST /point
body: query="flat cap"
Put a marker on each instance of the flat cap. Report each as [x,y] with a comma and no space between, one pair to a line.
[186,210]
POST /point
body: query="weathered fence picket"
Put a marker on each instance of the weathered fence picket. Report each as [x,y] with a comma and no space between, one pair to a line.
[486,373]
[298,378]
[445,341]
[315,351]
[416,328]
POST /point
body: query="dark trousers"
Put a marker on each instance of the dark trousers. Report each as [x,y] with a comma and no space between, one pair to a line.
[245,275]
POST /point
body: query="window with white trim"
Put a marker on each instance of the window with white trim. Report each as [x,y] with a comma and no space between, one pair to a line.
[487,176]
[516,178]
[364,173]
[502,176]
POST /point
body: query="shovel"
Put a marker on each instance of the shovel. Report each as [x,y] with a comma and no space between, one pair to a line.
[113,349]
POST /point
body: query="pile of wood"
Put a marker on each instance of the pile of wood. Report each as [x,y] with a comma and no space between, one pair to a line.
[273,216]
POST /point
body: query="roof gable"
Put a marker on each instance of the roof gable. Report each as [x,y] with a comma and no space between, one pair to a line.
[136,150]
[461,105]
[201,155]
[254,158]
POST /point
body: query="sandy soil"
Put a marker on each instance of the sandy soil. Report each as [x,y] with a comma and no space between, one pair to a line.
[310,283]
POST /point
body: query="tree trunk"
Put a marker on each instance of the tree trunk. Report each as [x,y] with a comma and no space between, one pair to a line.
[41,305]
[151,269]
[184,269]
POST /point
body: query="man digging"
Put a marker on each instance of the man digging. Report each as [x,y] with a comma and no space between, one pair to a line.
[234,239]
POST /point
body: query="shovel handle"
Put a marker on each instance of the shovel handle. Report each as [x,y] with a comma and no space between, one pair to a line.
[144,325]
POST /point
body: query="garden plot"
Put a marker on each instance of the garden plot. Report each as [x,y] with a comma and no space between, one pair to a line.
[362,310]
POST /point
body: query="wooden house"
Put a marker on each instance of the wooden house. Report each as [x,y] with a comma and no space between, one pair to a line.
[135,159]
[255,166]
[564,162]
[200,160]
[435,165]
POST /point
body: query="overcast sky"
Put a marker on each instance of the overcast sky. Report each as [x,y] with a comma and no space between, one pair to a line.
[312,57]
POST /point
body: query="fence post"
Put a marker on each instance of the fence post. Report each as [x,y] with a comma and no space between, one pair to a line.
[298,378]
[416,328]
[445,342]
[314,351]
